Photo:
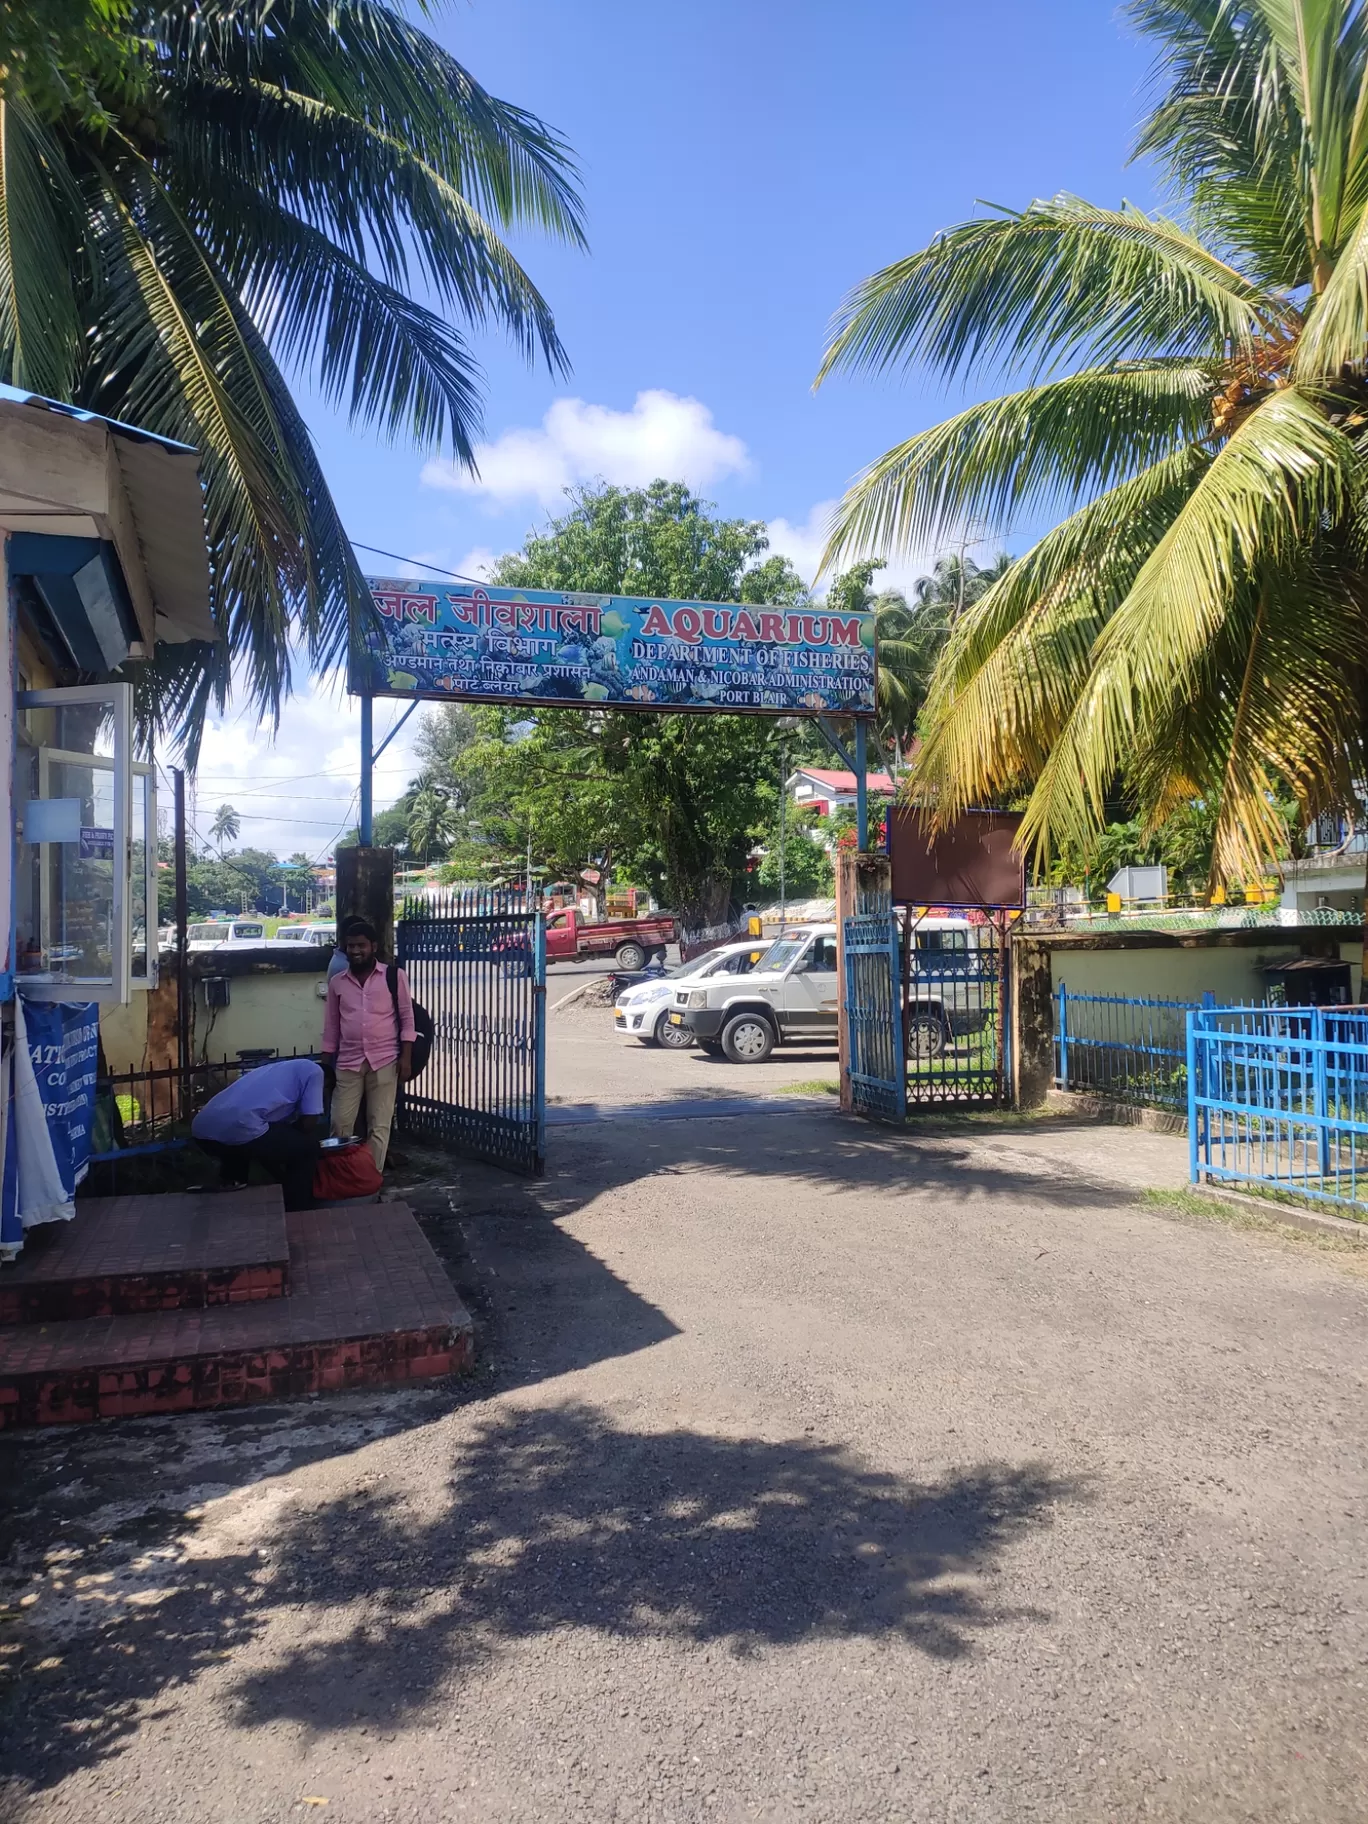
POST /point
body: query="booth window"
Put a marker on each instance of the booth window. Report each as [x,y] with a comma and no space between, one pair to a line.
[86,816]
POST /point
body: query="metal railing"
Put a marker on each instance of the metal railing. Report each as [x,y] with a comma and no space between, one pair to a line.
[1278,1100]
[140,1115]
[1127,1047]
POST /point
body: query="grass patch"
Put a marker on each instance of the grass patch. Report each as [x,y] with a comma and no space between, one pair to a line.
[810,1086]
[1193,1206]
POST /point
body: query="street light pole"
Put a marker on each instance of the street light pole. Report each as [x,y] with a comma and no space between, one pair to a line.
[783,837]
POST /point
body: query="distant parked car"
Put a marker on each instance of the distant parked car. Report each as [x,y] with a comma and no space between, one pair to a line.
[235,933]
[643,1011]
[791,995]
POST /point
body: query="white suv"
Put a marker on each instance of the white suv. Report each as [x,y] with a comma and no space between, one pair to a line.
[792,994]
[643,1012]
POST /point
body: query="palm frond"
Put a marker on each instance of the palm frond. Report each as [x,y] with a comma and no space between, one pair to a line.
[1044,447]
[363,58]
[1057,280]
[356,185]
[1227,131]
[395,363]
[1016,662]
[1263,497]
[40,229]
[1336,334]
[172,356]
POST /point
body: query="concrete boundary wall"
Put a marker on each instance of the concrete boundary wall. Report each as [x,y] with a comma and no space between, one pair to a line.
[1153,965]
[275,999]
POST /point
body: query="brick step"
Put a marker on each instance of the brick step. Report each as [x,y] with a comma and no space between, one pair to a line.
[369,1303]
[187,1250]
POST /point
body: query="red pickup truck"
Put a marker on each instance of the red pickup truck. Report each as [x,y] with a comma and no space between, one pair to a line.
[633,941]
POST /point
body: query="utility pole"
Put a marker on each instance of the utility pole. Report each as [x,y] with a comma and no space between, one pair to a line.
[182,920]
[783,834]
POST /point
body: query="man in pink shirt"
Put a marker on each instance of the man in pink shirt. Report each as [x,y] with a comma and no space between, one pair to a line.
[367,1039]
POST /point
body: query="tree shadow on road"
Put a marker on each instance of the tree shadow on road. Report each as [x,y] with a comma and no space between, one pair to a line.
[553,1519]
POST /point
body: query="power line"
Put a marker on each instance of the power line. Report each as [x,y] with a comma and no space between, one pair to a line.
[459,575]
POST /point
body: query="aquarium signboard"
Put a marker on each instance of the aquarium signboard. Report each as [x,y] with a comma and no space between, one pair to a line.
[470,644]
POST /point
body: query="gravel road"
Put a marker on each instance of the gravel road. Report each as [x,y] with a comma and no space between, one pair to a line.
[810,1472]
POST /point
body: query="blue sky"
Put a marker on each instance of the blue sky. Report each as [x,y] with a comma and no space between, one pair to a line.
[744,162]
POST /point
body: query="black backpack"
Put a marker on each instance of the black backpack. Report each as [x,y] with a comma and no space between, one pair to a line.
[422,1023]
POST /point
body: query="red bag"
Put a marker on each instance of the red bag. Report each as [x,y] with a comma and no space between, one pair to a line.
[349,1171]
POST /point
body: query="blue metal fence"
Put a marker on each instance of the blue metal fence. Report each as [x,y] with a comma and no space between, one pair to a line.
[1278,1099]
[1123,1046]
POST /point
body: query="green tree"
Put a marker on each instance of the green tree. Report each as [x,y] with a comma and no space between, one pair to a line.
[910,635]
[809,872]
[226,827]
[274,188]
[432,821]
[673,799]
[295,880]
[1196,625]
[443,734]
[70,57]
[389,829]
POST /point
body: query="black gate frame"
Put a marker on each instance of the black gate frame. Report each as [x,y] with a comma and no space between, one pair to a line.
[476,960]
[961,1083]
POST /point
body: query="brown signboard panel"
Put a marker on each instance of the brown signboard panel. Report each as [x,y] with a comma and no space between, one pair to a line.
[972,863]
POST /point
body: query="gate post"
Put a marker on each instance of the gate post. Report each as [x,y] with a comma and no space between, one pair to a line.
[845,908]
[870,1032]
[365,889]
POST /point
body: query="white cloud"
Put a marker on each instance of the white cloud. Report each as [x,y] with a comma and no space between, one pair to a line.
[662,435]
[297,789]
[478,563]
[802,543]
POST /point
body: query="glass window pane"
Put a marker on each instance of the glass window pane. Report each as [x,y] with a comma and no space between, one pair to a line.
[28,897]
[78,921]
[137,886]
[80,728]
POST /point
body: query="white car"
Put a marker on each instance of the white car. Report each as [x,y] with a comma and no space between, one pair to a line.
[642,1012]
[792,995]
[235,934]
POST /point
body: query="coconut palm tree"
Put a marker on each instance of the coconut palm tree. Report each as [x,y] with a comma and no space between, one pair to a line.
[226,827]
[270,183]
[432,820]
[910,636]
[1196,392]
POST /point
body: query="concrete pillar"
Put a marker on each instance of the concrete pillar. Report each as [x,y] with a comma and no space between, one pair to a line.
[365,889]
[864,886]
[1032,1022]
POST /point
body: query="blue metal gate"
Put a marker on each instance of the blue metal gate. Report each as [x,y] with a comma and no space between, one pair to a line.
[477,961]
[1278,1101]
[873,1007]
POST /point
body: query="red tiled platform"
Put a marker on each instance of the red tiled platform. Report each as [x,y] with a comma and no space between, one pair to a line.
[138,1254]
[369,1303]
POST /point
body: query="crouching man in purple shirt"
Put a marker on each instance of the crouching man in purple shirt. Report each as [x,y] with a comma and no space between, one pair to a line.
[270,1114]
